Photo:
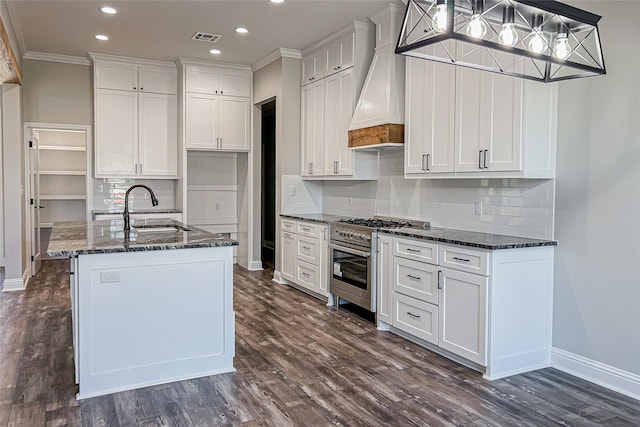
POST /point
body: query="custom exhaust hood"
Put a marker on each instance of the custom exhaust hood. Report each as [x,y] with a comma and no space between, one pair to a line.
[378,119]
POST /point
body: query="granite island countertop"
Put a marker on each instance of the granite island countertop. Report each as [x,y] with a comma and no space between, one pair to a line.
[108,236]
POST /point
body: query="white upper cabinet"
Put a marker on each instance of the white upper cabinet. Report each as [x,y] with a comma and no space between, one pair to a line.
[429,131]
[135,77]
[136,118]
[217,107]
[339,99]
[314,66]
[116,121]
[313,129]
[462,122]
[157,142]
[328,104]
[215,81]
[340,54]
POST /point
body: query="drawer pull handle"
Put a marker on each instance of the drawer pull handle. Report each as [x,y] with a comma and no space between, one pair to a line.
[306,248]
[305,274]
[461,259]
[415,316]
[306,229]
[413,277]
[413,250]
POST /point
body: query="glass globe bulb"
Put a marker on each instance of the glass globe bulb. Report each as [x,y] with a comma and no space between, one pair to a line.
[439,20]
[508,36]
[477,28]
[537,43]
[561,49]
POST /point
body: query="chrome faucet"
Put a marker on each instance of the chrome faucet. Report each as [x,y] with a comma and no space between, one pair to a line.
[154,202]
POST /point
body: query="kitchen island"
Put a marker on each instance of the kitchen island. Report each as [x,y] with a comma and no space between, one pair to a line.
[149,306]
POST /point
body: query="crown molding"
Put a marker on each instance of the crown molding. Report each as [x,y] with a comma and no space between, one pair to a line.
[277,54]
[181,62]
[54,57]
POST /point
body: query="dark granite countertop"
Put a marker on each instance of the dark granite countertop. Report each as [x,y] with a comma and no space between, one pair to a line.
[470,238]
[443,235]
[99,237]
[323,218]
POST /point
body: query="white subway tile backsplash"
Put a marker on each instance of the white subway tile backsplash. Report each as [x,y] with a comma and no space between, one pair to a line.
[108,194]
[519,207]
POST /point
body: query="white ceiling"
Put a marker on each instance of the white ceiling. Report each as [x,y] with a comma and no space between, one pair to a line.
[162,30]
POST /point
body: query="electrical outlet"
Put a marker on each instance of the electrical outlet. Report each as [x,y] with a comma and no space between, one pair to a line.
[478,207]
[292,190]
[109,276]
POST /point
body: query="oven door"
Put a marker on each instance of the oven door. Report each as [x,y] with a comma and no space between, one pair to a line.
[351,275]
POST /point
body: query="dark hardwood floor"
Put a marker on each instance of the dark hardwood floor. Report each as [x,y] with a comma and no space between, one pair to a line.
[298,363]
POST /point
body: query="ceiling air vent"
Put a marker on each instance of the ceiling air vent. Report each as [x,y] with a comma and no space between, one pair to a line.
[206,37]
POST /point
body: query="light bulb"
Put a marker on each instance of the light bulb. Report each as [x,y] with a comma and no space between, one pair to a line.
[561,48]
[439,20]
[477,28]
[537,43]
[508,36]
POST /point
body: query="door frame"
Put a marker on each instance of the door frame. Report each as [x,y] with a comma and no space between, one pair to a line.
[27,128]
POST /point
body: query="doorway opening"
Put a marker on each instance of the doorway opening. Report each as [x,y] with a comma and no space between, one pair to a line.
[268,215]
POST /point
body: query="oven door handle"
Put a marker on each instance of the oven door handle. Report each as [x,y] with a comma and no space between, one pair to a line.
[350,251]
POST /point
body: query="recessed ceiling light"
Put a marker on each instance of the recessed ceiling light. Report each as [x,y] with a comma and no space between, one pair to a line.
[108,10]
[277,1]
[215,51]
[102,37]
[242,30]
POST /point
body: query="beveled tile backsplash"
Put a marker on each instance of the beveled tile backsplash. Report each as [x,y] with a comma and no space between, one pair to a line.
[520,207]
[108,194]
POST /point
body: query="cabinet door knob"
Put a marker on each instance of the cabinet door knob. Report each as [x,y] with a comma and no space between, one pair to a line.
[134,88]
[221,92]
[141,88]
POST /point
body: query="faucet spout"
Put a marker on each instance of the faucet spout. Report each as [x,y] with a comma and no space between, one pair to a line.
[125,214]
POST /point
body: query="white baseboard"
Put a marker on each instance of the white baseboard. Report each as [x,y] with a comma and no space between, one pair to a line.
[615,379]
[277,277]
[255,266]
[13,285]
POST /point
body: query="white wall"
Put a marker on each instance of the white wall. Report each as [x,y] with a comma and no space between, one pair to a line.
[597,275]
[279,80]
[14,238]
[509,206]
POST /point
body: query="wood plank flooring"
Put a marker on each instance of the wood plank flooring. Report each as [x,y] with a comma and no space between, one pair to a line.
[298,363]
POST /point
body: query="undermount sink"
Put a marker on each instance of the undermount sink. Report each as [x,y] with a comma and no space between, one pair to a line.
[159,227]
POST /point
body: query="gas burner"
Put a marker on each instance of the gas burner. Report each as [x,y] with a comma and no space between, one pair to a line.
[377,222]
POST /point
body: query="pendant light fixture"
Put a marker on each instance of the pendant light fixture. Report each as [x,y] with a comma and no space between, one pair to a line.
[540,40]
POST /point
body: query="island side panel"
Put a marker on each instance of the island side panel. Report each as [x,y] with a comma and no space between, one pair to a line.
[153,317]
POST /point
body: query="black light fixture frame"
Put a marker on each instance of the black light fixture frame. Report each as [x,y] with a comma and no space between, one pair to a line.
[547,65]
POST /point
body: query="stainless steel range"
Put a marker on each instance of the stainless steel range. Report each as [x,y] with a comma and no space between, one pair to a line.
[352,258]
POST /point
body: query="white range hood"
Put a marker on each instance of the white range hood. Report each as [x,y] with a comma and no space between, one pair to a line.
[378,118]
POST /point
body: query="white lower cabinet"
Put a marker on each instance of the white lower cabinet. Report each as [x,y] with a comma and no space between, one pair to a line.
[416,317]
[491,310]
[463,314]
[288,255]
[304,255]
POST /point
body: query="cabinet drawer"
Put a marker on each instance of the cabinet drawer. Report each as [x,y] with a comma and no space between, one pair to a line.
[415,279]
[307,275]
[417,318]
[308,229]
[288,225]
[416,250]
[307,249]
[471,260]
